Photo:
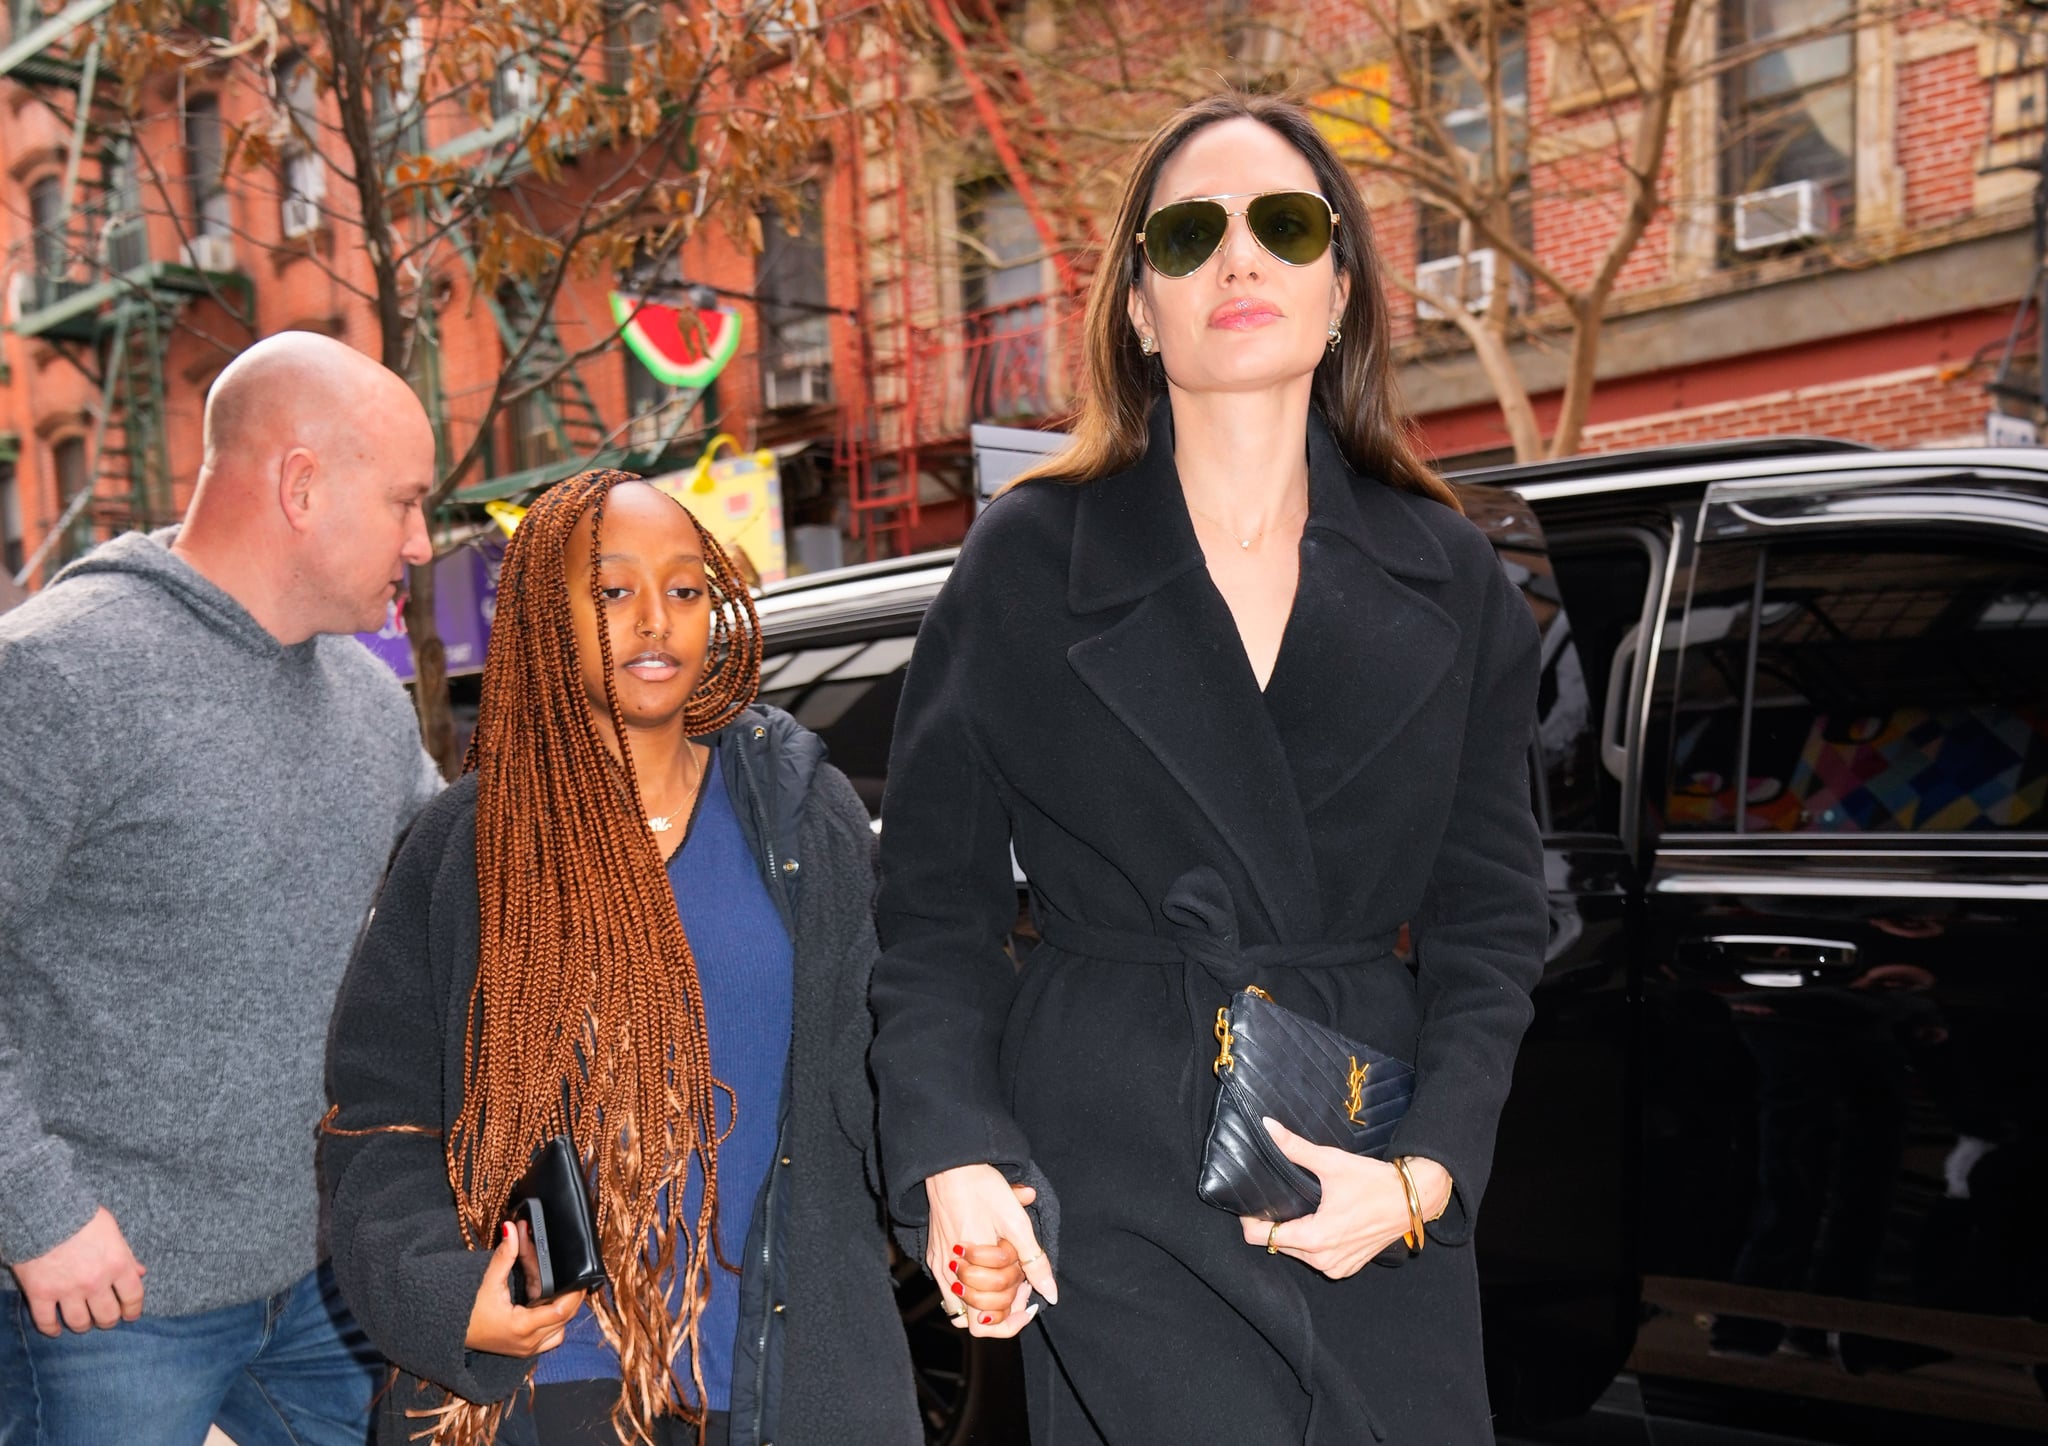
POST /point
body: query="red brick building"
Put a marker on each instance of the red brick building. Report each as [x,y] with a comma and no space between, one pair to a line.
[1844,239]
[920,295]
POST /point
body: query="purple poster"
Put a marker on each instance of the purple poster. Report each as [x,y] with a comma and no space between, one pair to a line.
[465,597]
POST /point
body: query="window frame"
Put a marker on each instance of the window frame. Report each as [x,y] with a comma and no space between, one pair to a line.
[1745,117]
[302,179]
[77,539]
[212,212]
[1843,533]
[13,533]
[1442,234]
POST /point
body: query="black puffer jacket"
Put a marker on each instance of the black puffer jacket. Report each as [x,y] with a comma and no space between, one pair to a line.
[821,1355]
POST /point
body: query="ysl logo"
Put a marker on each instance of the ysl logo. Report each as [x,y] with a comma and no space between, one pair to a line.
[1355,1083]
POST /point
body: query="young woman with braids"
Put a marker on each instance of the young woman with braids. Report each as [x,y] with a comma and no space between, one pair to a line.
[642,917]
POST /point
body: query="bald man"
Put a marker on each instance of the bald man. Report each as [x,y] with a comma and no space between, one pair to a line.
[201,782]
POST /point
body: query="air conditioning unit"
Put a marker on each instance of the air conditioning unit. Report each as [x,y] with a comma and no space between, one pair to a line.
[1795,211]
[785,389]
[124,244]
[1467,279]
[210,253]
[301,217]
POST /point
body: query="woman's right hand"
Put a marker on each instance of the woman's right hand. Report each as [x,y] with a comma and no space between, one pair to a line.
[973,1205]
[502,1328]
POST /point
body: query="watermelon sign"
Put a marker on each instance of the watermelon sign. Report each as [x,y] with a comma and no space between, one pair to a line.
[681,347]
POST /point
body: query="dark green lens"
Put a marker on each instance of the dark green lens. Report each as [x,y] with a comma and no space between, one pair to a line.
[1293,225]
[1180,237]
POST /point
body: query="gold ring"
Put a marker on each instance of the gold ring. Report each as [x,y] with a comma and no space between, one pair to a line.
[1031,1260]
[1272,1248]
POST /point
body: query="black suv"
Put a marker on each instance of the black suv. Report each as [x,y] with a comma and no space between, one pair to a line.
[1777,1149]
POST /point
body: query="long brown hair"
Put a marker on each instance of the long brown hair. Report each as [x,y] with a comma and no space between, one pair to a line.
[586,1014]
[1354,385]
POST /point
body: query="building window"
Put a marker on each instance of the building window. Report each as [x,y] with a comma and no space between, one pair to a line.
[397,93]
[657,410]
[12,554]
[516,87]
[1791,119]
[1463,108]
[1003,288]
[629,26]
[796,327]
[72,478]
[52,251]
[205,169]
[305,178]
[531,439]
[124,243]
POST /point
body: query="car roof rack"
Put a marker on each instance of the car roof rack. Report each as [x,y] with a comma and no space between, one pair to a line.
[1640,459]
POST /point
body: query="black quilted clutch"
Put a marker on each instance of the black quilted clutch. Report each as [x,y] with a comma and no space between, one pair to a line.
[1319,1084]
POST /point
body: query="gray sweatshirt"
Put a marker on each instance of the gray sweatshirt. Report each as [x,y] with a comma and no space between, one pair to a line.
[193,822]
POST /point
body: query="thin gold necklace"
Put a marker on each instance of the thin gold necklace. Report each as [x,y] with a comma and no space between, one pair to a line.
[1231,532]
[666,821]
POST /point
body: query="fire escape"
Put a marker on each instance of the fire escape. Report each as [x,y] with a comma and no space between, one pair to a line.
[101,289]
[934,368]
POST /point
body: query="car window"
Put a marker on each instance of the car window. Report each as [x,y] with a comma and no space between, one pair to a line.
[1603,585]
[846,692]
[1565,782]
[1896,686]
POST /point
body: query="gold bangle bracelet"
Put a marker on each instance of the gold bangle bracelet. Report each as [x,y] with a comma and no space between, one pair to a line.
[1415,1220]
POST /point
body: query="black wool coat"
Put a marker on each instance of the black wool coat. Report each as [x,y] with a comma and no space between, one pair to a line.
[1079,690]
[821,1355]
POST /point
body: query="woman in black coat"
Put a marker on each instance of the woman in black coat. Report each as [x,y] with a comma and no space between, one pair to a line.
[1247,695]
[643,918]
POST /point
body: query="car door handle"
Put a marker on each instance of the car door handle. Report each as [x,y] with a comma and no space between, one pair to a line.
[1781,951]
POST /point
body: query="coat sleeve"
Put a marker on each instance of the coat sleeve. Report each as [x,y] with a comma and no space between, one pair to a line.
[43,768]
[944,984]
[397,1246]
[842,914]
[1484,920]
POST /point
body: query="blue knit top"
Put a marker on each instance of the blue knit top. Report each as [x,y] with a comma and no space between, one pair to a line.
[745,969]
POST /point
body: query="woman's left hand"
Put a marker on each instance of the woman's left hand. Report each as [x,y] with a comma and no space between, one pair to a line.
[1364,1209]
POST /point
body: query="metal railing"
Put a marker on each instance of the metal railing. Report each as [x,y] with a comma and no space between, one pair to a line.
[1018,363]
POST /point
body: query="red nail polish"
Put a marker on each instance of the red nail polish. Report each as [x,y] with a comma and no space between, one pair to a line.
[959,1250]
[954,1266]
[959,1289]
[986,1319]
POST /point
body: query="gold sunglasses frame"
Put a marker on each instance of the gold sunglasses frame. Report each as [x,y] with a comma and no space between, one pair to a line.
[1336,220]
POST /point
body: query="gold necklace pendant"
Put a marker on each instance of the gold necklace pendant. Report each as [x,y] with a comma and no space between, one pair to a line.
[663,823]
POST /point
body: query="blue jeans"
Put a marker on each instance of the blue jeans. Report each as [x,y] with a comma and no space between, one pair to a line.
[292,1370]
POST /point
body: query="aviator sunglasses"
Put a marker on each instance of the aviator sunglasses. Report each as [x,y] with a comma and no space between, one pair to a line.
[1293,227]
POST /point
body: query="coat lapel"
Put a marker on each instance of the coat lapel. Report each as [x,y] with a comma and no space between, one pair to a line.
[1363,649]
[1173,671]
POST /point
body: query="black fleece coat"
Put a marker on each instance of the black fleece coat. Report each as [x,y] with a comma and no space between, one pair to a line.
[821,1355]
[1080,690]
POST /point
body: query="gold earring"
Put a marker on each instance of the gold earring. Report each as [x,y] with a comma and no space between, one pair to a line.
[1336,334]
[1147,345]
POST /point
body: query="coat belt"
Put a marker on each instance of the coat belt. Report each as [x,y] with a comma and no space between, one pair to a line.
[1202,931]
